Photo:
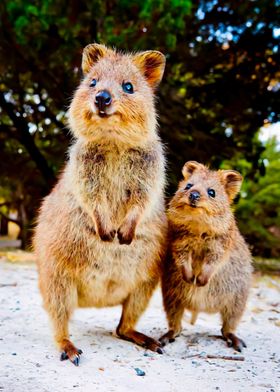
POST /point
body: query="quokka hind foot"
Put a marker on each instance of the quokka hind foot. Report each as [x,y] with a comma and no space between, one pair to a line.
[234,341]
[142,340]
[69,351]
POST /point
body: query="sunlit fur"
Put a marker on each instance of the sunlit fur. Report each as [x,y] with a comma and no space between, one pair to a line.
[209,264]
[111,191]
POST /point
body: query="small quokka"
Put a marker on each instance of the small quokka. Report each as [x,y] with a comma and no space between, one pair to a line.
[101,233]
[208,268]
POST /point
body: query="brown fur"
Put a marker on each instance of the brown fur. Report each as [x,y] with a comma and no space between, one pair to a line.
[209,264]
[101,232]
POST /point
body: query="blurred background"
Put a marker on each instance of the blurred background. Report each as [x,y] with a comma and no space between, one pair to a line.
[218,103]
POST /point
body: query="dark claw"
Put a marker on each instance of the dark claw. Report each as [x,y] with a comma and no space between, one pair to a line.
[76,361]
[63,356]
[235,342]
[162,341]
[108,237]
[76,357]
[153,345]
[124,240]
[171,340]
[238,346]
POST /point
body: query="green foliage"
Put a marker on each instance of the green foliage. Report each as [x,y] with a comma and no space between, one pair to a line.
[259,209]
[220,84]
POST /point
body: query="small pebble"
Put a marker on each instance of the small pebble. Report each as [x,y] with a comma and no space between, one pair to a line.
[139,372]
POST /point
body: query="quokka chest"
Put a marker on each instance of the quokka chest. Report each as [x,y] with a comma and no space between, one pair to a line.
[116,172]
[191,248]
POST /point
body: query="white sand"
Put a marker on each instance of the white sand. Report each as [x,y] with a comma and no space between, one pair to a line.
[29,360]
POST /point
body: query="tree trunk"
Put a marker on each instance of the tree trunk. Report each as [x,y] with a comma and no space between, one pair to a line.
[3,225]
[23,234]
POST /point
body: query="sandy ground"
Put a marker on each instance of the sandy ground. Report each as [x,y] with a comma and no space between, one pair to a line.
[29,361]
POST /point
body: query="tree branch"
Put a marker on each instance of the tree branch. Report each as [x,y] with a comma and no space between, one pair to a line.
[25,138]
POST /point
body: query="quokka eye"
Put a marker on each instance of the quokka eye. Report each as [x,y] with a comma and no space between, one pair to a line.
[93,83]
[188,186]
[127,88]
[211,192]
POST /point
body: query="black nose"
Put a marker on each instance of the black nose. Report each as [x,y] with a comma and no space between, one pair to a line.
[194,196]
[102,100]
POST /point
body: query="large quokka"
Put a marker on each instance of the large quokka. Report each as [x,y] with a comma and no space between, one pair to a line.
[208,267]
[101,233]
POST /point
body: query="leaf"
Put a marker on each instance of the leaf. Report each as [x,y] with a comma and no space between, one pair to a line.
[31,9]
[21,22]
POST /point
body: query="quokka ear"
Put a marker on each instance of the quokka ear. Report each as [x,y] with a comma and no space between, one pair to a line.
[91,54]
[232,181]
[152,64]
[190,166]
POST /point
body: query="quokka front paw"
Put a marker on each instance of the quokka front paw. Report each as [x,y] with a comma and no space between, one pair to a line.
[107,236]
[199,280]
[101,225]
[126,234]
[168,337]
[204,276]
[188,274]
[125,238]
